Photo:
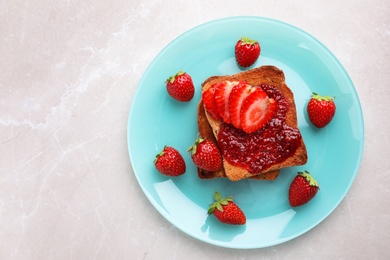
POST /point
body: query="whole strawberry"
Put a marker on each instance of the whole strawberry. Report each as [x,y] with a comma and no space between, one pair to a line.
[205,155]
[321,110]
[302,189]
[226,211]
[247,51]
[181,87]
[170,162]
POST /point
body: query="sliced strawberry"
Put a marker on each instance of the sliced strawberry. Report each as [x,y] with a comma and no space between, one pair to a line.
[256,111]
[237,95]
[209,103]
[222,92]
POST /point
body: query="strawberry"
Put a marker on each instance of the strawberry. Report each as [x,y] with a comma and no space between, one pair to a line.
[302,189]
[321,110]
[180,87]
[226,211]
[236,98]
[246,51]
[256,111]
[205,155]
[208,98]
[170,162]
[222,92]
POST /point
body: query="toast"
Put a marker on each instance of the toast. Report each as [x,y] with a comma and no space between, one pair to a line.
[210,127]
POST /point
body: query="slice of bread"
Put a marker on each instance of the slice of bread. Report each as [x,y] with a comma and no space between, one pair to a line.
[269,75]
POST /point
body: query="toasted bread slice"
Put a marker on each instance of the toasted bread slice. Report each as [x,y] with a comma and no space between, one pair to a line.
[206,132]
[262,75]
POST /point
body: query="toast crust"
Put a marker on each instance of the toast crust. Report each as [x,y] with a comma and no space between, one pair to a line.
[270,75]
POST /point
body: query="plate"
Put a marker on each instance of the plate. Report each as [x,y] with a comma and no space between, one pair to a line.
[155,120]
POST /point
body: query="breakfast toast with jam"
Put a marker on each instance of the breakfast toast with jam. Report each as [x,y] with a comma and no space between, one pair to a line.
[251,116]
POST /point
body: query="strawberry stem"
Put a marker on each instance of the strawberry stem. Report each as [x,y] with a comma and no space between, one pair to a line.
[159,154]
[320,98]
[217,196]
[219,203]
[309,178]
[192,148]
[171,79]
[246,40]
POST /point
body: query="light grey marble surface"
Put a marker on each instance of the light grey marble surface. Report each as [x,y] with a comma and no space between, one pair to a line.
[68,72]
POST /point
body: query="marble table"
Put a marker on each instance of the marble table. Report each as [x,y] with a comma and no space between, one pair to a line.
[68,74]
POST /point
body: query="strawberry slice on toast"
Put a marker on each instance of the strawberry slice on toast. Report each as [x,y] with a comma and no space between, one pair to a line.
[210,104]
[222,93]
[256,111]
[236,98]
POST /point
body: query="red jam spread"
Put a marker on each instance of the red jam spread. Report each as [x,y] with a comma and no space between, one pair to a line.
[271,144]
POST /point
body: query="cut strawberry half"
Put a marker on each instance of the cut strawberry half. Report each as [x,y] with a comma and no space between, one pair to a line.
[237,96]
[256,111]
[222,93]
[209,103]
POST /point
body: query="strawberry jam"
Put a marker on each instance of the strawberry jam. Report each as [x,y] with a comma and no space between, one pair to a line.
[271,144]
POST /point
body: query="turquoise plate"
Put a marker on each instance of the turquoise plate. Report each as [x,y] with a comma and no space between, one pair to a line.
[156,120]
